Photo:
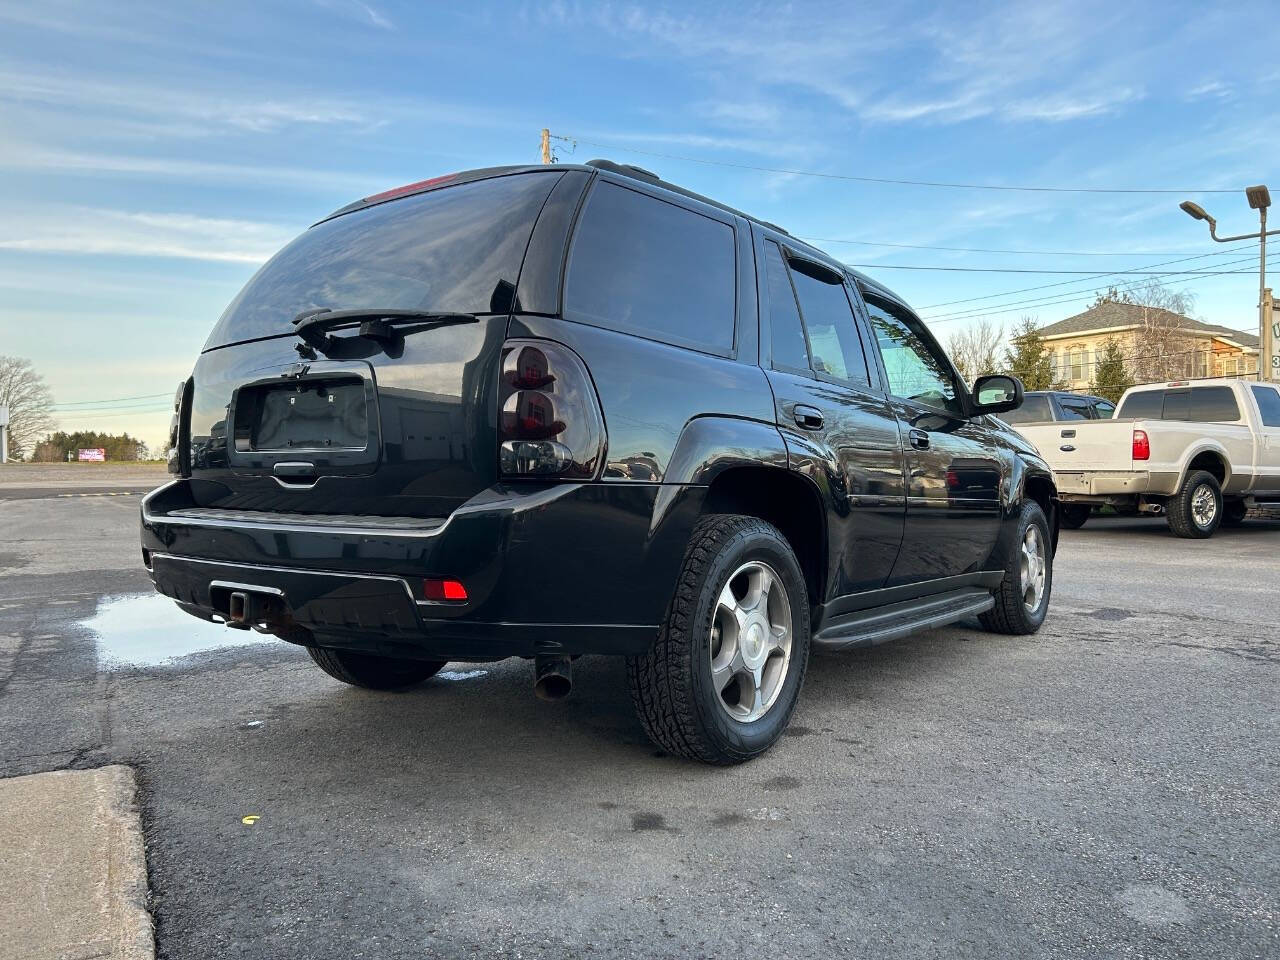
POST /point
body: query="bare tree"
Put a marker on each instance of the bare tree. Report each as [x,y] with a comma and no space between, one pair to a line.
[974,350]
[1163,347]
[29,400]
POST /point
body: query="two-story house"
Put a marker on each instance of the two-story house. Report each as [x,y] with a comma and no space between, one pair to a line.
[1157,345]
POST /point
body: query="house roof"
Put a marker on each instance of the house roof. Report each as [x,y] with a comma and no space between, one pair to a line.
[1112,315]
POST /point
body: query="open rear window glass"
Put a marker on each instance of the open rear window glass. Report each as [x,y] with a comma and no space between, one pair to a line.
[1035,409]
[1214,405]
[454,249]
[1143,405]
[1177,405]
[656,269]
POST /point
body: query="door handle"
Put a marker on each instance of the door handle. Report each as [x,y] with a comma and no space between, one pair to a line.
[1068,434]
[807,417]
[919,439]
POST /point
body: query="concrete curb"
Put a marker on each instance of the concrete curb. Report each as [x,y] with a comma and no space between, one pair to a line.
[74,885]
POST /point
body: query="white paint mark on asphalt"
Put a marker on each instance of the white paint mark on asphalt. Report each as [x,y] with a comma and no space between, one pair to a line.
[148,629]
[462,674]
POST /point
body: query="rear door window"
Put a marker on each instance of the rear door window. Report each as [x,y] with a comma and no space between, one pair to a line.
[656,269]
[1035,409]
[834,345]
[1104,410]
[1074,408]
[1214,405]
[1268,405]
[1144,405]
[453,249]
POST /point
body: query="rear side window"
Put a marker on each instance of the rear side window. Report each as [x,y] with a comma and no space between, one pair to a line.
[1268,405]
[1073,409]
[834,345]
[1214,405]
[454,249]
[788,350]
[1034,409]
[1144,405]
[644,266]
[1104,410]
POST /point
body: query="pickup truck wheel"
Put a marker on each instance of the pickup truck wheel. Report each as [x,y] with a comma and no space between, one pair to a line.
[1234,512]
[723,675]
[371,671]
[1196,510]
[1075,515]
[1022,599]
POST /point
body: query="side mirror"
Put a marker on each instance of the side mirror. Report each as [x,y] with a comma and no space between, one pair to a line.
[996,394]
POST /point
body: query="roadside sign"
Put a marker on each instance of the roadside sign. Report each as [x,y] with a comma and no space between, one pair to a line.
[96,453]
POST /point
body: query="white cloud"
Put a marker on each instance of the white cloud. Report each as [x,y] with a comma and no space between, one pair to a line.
[90,230]
[1210,90]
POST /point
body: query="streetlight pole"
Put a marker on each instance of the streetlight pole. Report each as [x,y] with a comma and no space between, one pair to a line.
[1259,199]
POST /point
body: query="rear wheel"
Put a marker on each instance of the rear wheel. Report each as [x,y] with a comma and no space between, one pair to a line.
[1022,599]
[1234,512]
[371,671]
[723,676]
[1196,510]
[1075,515]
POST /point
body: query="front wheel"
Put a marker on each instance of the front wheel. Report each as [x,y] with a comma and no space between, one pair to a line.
[723,675]
[371,671]
[1196,510]
[1022,599]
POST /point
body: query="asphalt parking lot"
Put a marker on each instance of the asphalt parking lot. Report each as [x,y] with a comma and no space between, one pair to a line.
[1107,788]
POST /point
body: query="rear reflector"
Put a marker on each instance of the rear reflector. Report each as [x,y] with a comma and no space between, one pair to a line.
[440,590]
[1141,445]
[409,188]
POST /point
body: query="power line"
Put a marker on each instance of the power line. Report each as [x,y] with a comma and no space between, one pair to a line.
[1113,273]
[1071,296]
[886,180]
[1062,283]
[1032,253]
[75,403]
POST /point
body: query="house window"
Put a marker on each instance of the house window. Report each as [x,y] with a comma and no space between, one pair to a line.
[1230,366]
[1077,363]
[1053,365]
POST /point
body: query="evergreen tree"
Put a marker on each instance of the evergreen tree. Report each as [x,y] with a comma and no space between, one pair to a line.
[1111,377]
[1026,357]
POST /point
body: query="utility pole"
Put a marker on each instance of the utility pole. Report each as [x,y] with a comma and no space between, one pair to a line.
[4,434]
[546,145]
[1259,199]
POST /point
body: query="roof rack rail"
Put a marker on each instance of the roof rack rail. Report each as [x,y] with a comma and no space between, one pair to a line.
[648,176]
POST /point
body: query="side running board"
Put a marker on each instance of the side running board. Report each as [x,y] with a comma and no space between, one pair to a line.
[866,628]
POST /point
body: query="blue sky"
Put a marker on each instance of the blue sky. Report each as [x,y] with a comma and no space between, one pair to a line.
[152,155]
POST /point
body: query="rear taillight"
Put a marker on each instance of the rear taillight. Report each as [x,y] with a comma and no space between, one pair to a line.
[1141,445]
[549,419]
[173,456]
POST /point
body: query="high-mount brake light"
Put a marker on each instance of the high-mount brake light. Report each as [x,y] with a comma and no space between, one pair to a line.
[409,188]
[1141,445]
[549,418]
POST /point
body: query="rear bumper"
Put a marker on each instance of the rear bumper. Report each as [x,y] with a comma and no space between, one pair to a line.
[1081,485]
[571,568]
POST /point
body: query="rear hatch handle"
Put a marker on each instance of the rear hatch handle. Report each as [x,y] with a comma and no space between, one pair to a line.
[377,324]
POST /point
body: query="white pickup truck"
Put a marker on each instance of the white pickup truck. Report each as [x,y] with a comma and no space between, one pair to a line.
[1199,452]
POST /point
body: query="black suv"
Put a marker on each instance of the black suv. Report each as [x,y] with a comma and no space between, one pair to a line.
[561,410]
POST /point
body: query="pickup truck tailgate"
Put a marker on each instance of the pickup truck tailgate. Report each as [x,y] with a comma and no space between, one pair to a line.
[1084,445]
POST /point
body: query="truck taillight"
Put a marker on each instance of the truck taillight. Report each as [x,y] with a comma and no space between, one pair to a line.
[1141,445]
[549,419]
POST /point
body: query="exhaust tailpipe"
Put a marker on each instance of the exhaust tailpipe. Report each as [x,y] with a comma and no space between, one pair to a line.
[552,677]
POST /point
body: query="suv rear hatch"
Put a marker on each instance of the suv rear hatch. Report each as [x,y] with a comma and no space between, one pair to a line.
[390,406]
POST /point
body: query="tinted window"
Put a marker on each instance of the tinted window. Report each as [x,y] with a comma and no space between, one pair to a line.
[1073,409]
[1035,409]
[787,336]
[829,324]
[455,249]
[645,266]
[1268,404]
[915,372]
[1214,405]
[1104,410]
[1177,405]
[1145,405]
